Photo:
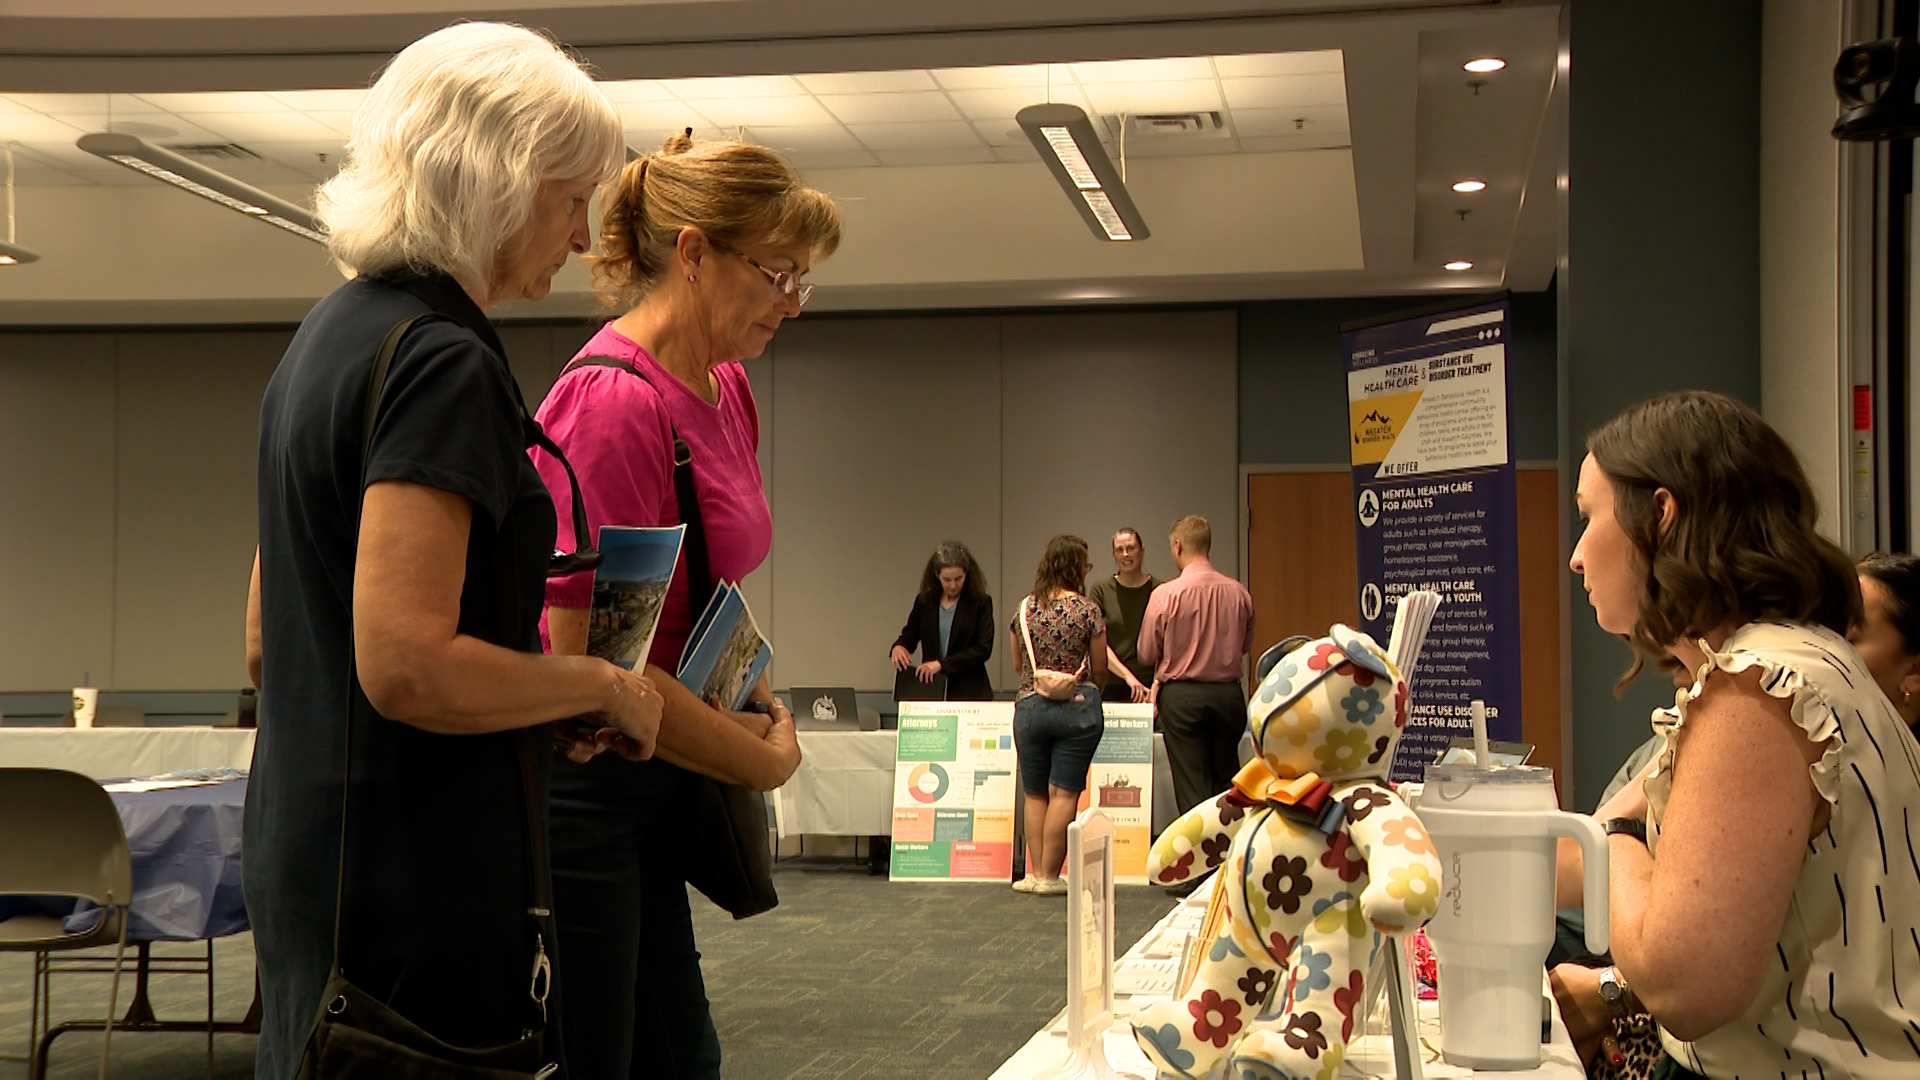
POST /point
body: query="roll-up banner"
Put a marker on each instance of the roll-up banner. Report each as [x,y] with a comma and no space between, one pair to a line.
[1436,508]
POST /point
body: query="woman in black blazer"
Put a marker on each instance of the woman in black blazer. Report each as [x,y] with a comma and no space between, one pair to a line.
[952,587]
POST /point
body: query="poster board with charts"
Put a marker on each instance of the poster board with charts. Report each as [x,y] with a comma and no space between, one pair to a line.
[954,792]
[1120,786]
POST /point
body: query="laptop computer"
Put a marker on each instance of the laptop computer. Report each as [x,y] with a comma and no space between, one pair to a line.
[825,708]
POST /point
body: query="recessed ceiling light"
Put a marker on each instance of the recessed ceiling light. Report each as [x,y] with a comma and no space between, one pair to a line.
[1459,264]
[1467,187]
[1483,64]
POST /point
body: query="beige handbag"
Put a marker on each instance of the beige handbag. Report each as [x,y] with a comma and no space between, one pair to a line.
[1052,685]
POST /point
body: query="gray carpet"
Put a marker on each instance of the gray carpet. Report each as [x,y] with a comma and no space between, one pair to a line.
[852,976]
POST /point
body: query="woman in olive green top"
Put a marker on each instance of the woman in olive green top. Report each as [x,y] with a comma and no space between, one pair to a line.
[1123,600]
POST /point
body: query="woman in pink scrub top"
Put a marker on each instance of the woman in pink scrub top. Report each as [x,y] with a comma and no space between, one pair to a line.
[708,245]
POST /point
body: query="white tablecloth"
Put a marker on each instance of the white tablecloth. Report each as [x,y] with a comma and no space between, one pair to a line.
[1368,1056]
[105,753]
[843,787]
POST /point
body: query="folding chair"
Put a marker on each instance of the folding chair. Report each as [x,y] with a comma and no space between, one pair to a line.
[64,838]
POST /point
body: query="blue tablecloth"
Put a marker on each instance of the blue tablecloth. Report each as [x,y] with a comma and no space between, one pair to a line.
[185,844]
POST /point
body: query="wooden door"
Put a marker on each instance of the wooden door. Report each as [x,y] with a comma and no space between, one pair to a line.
[1301,567]
[1304,577]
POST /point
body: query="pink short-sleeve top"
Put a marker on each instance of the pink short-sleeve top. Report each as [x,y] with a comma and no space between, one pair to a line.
[617,432]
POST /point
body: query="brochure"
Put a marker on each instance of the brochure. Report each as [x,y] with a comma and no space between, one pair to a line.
[726,653]
[629,589]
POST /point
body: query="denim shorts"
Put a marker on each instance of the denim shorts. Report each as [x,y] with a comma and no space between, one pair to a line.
[1056,739]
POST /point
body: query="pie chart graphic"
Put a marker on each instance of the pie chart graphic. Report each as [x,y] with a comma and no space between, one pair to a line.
[927,782]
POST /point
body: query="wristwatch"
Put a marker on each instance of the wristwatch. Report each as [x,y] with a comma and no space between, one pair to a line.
[1630,826]
[1613,991]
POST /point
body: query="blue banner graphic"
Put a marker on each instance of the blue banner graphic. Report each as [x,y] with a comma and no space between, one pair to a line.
[1435,507]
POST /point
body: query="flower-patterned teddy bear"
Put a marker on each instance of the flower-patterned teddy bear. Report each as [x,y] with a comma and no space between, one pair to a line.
[1320,857]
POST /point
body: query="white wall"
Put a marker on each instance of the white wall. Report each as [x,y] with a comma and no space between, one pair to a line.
[127,518]
[1803,377]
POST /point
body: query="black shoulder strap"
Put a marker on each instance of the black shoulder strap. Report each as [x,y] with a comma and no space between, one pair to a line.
[700,582]
[536,812]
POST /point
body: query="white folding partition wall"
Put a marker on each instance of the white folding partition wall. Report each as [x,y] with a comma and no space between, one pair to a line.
[127,507]
[894,434]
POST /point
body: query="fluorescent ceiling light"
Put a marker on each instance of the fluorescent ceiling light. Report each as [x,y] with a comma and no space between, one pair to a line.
[1066,141]
[1468,187]
[1484,64]
[1459,264]
[211,184]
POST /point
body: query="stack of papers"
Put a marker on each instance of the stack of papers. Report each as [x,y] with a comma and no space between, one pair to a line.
[158,783]
[1139,975]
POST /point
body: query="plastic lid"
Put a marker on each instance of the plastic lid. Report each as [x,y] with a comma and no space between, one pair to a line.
[1456,772]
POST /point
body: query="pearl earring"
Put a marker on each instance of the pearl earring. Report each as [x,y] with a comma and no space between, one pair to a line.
[693,279]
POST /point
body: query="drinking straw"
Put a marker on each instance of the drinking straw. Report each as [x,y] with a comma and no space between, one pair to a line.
[1481,754]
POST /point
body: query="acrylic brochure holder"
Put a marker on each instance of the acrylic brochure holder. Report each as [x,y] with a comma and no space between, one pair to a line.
[1089,948]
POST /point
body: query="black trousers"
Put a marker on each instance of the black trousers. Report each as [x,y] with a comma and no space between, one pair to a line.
[1202,723]
[632,1001]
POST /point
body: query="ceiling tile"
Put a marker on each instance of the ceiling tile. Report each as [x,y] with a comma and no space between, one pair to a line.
[993,104]
[1170,146]
[310,101]
[1128,71]
[890,108]
[263,127]
[302,155]
[32,127]
[810,139]
[833,159]
[9,105]
[1002,131]
[995,78]
[235,102]
[1285,91]
[868,82]
[1324,141]
[1259,123]
[944,135]
[655,118]
[340,122]
[1016,153]
[730,113]
[733,86]
[973,156]
[1292,63]
[620,90]
[81,103]
[1188,95]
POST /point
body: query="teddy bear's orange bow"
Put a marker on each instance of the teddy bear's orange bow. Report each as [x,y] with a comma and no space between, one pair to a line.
[1306,792]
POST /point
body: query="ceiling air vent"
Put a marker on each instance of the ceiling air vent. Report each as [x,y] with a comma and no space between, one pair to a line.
[228,152]
[1188,125]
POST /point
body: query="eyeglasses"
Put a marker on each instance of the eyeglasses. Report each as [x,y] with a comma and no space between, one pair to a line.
[785,282]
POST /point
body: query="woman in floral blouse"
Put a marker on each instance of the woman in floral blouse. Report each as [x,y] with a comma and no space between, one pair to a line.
[1056,629]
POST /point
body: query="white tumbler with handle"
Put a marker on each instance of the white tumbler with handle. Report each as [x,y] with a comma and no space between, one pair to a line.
[1495,831]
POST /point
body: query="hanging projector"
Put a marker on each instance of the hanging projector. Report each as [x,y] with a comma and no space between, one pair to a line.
[1890,69]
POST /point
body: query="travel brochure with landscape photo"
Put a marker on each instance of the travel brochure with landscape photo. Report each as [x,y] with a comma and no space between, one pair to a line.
[629,589]
[726,653]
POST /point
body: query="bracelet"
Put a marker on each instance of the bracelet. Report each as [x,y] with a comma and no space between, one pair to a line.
[1626,826]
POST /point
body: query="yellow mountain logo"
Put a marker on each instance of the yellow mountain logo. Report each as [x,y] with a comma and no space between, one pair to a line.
[1376,422]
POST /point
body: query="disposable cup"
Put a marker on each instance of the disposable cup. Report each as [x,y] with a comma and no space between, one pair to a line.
[86,702]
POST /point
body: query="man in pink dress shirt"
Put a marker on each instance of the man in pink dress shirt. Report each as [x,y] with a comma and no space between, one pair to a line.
[1195,634]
